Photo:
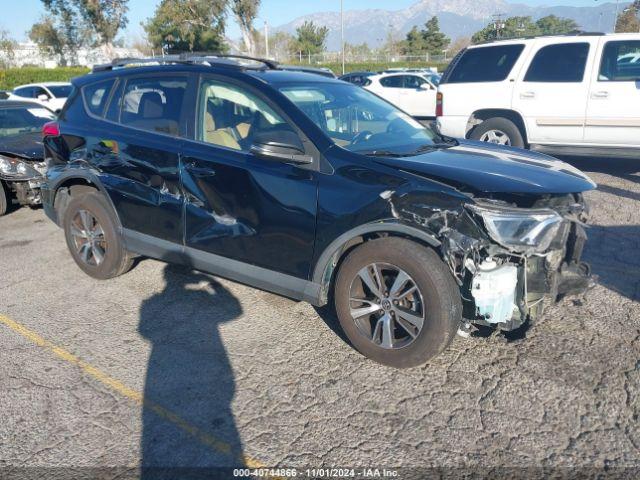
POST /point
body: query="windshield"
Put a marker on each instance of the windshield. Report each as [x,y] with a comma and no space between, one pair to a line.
[60,91]
[359,121]
[14,121]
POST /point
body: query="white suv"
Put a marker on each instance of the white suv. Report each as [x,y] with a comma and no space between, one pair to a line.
[415,93]
[577,95]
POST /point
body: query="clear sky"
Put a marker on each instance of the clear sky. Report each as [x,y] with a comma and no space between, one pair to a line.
[18,16]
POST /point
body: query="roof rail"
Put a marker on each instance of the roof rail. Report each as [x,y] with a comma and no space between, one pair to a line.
[575,33]
[189,58]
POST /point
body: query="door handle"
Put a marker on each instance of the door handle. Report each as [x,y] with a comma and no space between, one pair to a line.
[528,95]
[601,94]
[193,168]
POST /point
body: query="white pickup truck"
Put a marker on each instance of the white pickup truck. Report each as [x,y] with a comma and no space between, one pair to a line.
[572,94]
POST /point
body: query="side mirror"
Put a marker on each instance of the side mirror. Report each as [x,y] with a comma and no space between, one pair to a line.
[426,86]
[43,98]
[280,146]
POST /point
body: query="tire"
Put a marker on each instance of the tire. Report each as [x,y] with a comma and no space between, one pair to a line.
[503,126]
[436,299]
[107,256]
[5,199]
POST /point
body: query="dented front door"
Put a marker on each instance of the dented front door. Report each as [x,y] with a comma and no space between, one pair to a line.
[244,208]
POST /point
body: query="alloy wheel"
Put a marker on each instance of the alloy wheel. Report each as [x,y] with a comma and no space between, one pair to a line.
[386,305]
[496,136]
[88,238]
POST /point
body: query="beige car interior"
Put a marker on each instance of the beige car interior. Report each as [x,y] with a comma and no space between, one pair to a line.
[230,116]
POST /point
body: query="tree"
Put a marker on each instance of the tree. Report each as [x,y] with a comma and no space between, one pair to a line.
[245,12]
[628,21]
[60,33]
[188,25]
[7,49]
[516,27]
[512,27]
[310,38]
[434,39]
[105,18]
[457,45]
[429,40]
[414,43]
[552,25]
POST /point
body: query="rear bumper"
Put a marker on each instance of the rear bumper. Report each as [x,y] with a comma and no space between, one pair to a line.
[453,125]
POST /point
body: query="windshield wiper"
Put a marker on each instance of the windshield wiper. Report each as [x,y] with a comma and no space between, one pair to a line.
[382,153]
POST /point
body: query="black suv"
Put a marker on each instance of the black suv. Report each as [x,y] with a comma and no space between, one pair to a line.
[315,189]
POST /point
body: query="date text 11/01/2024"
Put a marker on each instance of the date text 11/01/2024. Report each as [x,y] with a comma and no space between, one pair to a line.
[315,473]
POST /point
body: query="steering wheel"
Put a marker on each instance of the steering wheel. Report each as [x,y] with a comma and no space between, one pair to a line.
[398,125]
[362,136]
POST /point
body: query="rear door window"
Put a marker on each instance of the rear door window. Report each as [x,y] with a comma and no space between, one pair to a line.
[485,64]
[154,103]
[561,63]
[620,61]
[392,82]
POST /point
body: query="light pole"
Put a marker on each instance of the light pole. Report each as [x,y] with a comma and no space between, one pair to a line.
[342,32]
[615,18]
[266,39]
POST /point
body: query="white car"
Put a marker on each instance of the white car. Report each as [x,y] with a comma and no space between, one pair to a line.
[576,95]
[412,92]
[52,95]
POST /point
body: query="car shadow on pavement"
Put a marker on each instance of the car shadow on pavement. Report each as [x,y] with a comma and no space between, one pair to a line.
[188,427]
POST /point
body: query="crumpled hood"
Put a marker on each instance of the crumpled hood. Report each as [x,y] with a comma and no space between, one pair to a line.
[492,168]
[27,145]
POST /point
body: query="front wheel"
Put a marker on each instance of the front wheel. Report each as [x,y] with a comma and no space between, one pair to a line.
[5,199]
[93,238]
[500,131]
[397,302]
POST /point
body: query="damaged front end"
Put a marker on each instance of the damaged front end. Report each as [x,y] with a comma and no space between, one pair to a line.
[511,255]
[23,176]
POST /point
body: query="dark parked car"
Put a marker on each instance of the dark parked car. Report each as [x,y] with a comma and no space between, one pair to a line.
[317,190]
[357,78]
[21,153]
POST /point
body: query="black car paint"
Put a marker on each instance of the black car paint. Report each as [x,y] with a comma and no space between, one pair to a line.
[184,200]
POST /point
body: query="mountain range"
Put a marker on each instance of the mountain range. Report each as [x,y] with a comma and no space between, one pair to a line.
[458,18]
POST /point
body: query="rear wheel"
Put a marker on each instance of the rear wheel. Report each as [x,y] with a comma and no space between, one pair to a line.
[5,200]
[500,131]
[397,302]
[93,238]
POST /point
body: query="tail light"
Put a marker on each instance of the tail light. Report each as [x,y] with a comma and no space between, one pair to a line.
[439,104]
[51,129]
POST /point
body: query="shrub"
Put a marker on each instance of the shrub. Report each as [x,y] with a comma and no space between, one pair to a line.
[13,77]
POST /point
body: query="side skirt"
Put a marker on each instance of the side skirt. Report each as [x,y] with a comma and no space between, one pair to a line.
[252,275]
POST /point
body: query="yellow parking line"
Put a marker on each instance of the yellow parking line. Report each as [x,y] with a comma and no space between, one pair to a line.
[203,437]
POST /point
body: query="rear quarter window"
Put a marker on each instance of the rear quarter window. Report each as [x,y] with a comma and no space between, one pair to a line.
[96,96]
[484,64]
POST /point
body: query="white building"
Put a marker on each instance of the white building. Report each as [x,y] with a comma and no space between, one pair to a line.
[28,53]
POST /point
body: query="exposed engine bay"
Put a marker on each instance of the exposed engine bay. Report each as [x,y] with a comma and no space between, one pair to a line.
[511,254]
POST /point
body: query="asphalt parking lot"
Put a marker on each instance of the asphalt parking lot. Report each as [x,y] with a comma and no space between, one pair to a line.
[166,367]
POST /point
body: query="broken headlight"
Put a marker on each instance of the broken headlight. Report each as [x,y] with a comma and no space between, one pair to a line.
[519,229]
[13,169]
